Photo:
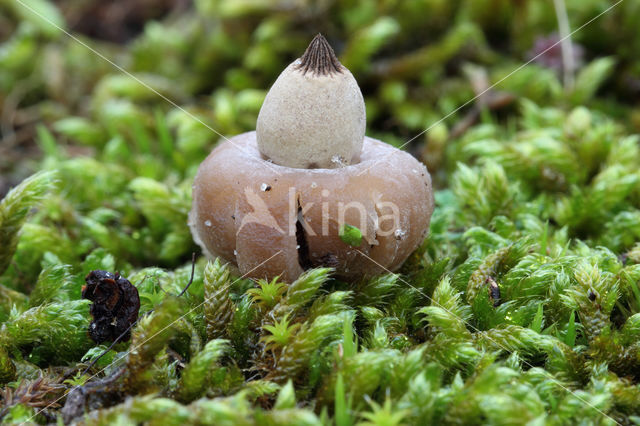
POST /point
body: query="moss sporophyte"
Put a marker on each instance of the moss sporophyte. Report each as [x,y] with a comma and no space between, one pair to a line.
[323,176]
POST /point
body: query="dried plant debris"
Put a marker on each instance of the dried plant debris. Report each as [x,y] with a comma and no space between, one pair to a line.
[94,395]
[521,306]
[42,394]
[115,306]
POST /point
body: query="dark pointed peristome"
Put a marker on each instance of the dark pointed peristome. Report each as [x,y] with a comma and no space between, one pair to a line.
[319,58]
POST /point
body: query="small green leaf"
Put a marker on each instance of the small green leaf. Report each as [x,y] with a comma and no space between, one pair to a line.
[78,380]
[342,415]
[536,324]
[81,130]
[636,291]
[43,14]
[350,235]
[349,345]
[14,208]
[7,368]
[591,78]
[570,338]
[286,397]
[47,142]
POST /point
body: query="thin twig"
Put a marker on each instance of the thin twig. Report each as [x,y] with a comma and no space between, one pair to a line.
[193,270]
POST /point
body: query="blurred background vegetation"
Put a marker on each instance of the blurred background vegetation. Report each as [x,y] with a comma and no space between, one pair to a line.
[416,61]
[115,104]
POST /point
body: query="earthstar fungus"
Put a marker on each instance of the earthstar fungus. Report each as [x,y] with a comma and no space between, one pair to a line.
[285,191]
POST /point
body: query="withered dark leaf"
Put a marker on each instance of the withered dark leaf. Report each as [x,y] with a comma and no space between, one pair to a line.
[115,306]
[494,292]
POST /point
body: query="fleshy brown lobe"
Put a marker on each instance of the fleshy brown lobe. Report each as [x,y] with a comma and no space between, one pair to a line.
[286,232]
